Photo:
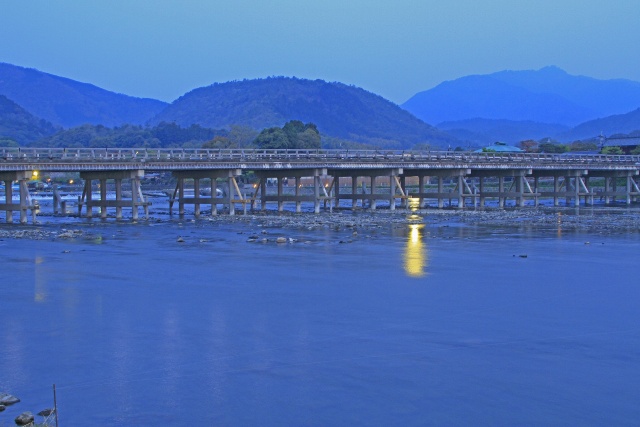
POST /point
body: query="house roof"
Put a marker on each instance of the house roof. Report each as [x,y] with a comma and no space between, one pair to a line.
[622,141]
[500,147]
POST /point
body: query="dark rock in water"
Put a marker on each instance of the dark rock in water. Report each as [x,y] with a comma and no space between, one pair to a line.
[523,255]
[7,399]
[2,408]
[24,419]
[45,412]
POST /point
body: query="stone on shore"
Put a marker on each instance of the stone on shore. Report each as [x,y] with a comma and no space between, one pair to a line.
[24,419]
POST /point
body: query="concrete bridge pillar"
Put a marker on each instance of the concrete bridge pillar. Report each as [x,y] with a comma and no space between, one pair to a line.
[297,194]
[103,177]
[420,191]
[354,191]
[336,189]
[280,201]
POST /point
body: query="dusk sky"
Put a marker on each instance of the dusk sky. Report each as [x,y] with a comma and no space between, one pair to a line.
[162,49]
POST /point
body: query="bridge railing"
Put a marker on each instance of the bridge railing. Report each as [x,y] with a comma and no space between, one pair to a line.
[48,155]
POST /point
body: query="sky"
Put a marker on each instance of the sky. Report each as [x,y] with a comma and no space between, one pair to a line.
[162,48]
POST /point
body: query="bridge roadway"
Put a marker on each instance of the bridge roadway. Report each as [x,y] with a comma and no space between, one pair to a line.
[475,177]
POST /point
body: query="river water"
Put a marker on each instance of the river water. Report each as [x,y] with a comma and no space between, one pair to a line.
[405,324]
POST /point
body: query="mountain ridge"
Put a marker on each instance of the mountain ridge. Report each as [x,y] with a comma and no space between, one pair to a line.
[339,110]
[547,95]
[18,125]
[66,102]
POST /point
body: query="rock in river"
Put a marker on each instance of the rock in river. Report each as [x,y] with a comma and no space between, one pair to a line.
[7,399]
[24,418]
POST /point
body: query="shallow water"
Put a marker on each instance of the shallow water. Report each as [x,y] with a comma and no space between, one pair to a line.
[404,325]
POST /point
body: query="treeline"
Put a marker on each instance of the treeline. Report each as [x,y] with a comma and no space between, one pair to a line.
[164,135]
[548,145]
[294,134]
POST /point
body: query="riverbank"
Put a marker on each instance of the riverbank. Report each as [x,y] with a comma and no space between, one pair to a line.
[607,220]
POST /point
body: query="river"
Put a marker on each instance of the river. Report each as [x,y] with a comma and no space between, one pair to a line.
[180,322]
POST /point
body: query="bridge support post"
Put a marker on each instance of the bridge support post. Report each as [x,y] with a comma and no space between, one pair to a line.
[119,198]
[336,190]
[196,192]
[137,199]
[316,191]
[420,191]
[280,201]
[354,191]
[460,186]
[392,193]
[25,204]
[297,194]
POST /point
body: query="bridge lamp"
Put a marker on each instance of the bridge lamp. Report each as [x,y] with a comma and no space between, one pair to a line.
[34,174]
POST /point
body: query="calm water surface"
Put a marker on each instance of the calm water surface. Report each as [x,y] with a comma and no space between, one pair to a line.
[405,326]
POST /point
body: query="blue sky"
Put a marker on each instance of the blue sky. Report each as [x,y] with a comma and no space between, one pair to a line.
[162,49]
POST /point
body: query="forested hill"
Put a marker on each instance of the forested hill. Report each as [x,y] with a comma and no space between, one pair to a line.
[19,126]
[338,110]
[70,103]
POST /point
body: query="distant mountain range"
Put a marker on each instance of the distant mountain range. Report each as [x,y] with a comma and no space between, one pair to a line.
[21,126]
[69,103]
[548,95]
[340,111]
[472,111]
[487,131]
[616,124]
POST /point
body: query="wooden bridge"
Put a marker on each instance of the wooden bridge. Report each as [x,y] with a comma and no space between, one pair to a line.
[329,177]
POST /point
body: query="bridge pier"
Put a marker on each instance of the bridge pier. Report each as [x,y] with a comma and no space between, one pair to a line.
[137,198]
[610,185]
[232,189]
[25,204]
[369,196]
[318,191]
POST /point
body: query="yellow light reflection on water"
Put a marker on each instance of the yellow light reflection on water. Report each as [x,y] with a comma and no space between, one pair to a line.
[416,258]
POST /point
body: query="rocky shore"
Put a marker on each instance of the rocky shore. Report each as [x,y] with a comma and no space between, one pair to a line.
[608,220]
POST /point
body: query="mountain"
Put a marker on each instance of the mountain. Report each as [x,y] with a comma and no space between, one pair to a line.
[21,126]
[611,125]
[339,111]
[480,132]
[69,103]
[548,95]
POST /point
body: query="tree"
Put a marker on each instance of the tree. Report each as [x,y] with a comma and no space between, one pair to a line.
[612,150]
[294,134]
[550,147]
[242,136]
[219,142]
[272,138]
[583,146]
[8,142]
[529,145]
